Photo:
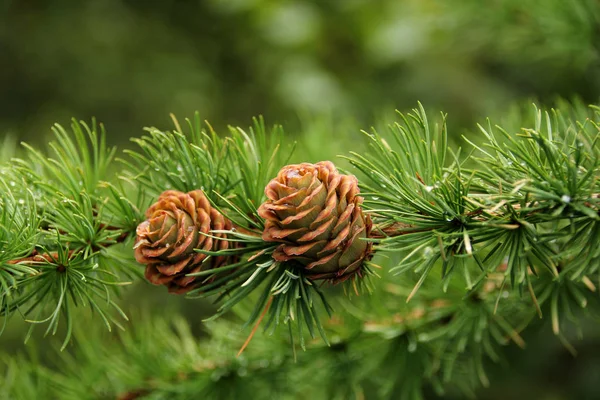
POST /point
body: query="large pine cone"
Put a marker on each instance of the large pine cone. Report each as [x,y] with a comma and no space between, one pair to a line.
[166,240]
[314,211]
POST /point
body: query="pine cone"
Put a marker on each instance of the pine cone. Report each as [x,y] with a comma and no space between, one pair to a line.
[314,211]
[166,240]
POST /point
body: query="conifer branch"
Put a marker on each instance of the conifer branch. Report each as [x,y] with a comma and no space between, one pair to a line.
[478,245]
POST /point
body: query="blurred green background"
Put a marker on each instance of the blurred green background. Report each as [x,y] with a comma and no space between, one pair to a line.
[131,63]
[318,67]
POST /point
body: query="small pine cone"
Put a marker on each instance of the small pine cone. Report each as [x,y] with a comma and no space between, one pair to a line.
[166,241]
[314,211]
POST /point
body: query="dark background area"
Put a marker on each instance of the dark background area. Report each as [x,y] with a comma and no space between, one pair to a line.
[132,63]
[348,62]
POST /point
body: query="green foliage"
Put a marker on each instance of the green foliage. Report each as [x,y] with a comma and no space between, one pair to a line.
[378,349]
[81,160]
[57,234]
[157,359]
[18,237]
[551,170]
[483,242]
[472,248]
[286,295]
[528,201]
[233,171]
[258,155]
[174,160]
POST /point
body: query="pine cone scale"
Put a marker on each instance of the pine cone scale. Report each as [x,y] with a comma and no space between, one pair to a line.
[314,212]
[322,261]
[300,220]
[151,252]
[336,242]
[274,233]
[172,269]
[308,250]
[295,199]
[329,211]
[286,194]
[316,196]
[155,277]
[178,224]
[161,225]
[319,233]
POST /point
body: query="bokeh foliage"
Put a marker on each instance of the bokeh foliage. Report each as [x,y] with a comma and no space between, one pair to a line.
[128,63]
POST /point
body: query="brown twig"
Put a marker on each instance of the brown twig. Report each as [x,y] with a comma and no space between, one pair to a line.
[36,257]
[247,342]
[395,229]
[385,230]
[133,394]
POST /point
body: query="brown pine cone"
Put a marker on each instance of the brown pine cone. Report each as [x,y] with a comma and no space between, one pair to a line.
[315,212]
[166,240]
